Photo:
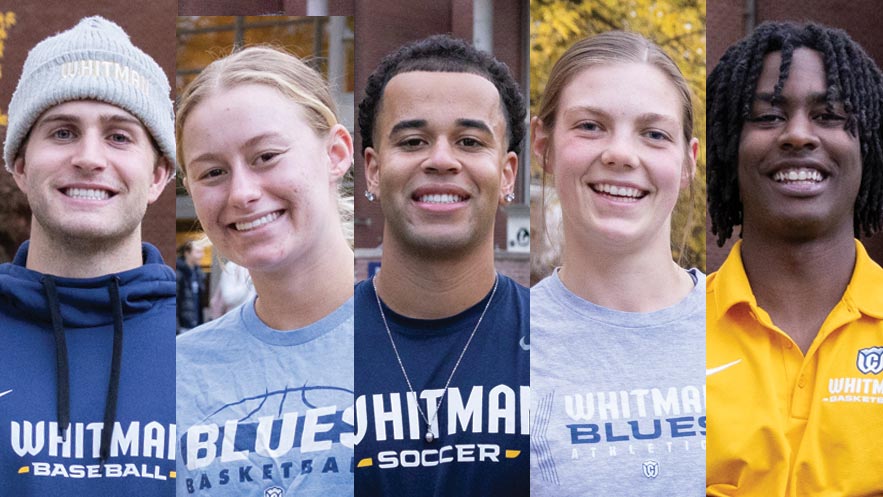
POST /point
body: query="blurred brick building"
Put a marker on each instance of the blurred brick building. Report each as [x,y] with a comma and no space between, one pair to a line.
[731,20]
[258,7]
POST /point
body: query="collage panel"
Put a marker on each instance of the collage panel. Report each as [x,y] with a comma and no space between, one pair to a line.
[378,202]
[86,305]
[264,125]
[618,248]
[442,240]
[795,300]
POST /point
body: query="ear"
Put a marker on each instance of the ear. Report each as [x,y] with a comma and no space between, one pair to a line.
[689,171]
[508,175]
[339,146]
[162,172]
[540,142]
[372,171]
[19,175]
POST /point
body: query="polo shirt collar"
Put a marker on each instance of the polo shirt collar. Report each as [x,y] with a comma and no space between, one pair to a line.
[731,282]
[864,291]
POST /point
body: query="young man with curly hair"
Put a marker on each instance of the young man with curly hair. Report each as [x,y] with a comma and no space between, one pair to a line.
[442,360]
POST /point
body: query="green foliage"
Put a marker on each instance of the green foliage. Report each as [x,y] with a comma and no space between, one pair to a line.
[678,26]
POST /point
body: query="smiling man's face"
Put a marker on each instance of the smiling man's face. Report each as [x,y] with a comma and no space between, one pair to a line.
[89,171]
[440,165]
[799,168]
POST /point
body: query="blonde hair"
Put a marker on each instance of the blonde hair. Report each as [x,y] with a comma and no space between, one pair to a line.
[278,69]
[608,48]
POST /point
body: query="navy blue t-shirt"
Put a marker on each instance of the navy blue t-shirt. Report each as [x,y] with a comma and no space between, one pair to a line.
[482,427]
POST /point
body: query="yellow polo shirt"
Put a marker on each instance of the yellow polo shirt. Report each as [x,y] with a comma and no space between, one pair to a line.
[781,424]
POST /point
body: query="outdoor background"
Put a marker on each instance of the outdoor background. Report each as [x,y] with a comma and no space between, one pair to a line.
[678,26]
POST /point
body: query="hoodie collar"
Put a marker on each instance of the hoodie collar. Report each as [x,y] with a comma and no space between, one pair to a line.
[83,301]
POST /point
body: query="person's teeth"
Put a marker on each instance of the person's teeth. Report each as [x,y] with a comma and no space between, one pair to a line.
[441,198]
[802,174]
[619,191]
[257,222]
[87,193]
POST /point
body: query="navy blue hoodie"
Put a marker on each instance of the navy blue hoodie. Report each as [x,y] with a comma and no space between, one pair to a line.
[97,356]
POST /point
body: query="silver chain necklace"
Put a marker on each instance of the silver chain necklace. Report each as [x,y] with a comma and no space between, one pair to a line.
[430,436]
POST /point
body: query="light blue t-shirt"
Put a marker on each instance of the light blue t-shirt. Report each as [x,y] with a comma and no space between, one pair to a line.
[617,398]
[266,413]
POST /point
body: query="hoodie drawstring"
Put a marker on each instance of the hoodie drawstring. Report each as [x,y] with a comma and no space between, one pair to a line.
[113,389]
[61,363]
[63,394]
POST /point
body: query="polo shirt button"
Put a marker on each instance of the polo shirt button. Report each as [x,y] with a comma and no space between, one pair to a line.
[801,382]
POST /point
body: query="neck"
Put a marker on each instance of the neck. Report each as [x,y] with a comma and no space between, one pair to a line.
[788,277]
[300,295]
[426,288]
[82,258]
[615,277]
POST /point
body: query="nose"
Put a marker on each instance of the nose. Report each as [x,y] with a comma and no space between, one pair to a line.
[89,155]
[620,152]
[799,133]
[245,187]
[442,159]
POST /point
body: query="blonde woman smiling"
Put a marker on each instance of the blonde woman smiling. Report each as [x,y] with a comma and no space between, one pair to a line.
[265,392]
[618,332]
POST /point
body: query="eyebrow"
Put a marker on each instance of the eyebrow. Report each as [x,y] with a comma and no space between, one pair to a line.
[205,157]
[259,138]
[422,123]
[251,142]
[104,118]
[474,124]
[652,117]
[408,124]
[647,117]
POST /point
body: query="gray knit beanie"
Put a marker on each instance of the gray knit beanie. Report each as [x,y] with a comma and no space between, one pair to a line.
[94,60]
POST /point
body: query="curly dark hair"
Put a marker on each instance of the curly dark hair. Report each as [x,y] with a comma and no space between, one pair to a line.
[443,53]
[853,79]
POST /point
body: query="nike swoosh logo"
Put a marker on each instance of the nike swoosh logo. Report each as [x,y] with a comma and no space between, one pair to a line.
[4,393]
[524,346]
[709,372]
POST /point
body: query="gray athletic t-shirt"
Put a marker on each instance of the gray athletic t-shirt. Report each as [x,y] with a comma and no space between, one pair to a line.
[617,398]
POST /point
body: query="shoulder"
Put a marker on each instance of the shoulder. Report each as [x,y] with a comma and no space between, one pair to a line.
[212,333]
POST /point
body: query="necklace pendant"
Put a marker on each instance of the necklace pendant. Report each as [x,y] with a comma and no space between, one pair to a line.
[430,437]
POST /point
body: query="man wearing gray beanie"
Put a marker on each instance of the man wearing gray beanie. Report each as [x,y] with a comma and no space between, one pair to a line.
[87,310]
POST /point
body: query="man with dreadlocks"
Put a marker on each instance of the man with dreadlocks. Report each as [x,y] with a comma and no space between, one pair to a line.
[795,314]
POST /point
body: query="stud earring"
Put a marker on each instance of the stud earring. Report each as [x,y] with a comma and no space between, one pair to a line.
[510,197]
[370,196]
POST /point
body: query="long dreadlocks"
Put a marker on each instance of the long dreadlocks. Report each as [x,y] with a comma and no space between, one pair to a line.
[852,79]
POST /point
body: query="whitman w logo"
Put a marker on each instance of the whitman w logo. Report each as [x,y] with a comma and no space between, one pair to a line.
[274,492]
[650,468]
[870,360]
